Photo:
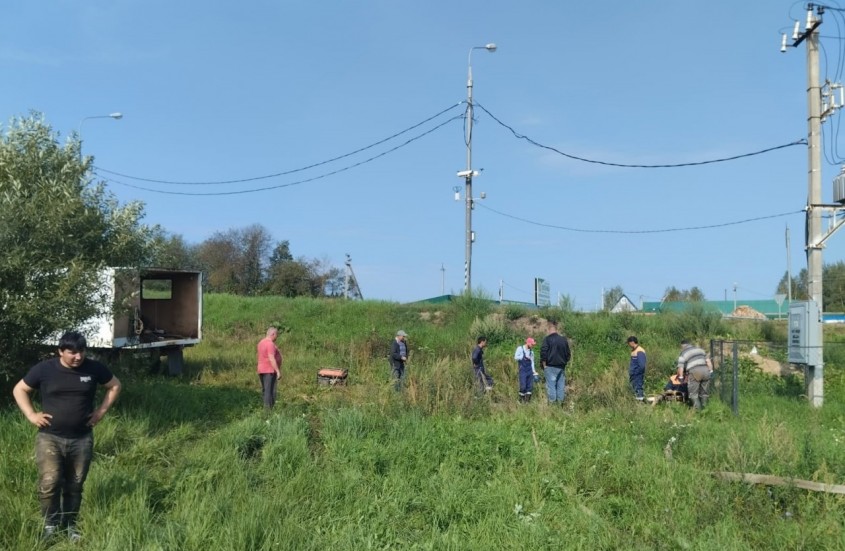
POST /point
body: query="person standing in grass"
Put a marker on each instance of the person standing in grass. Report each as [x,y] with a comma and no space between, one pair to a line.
[526,373]
[554,355]
[636,369]
[269,366]
[485,381]
[694,368]
[64,444]
[398,357]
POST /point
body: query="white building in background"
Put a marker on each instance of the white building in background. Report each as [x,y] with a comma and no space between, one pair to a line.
[624,304]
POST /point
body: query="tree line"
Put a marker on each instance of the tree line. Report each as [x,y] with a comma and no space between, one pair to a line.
[246,261]
[59,228]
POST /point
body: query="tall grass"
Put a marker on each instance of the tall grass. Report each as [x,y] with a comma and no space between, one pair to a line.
[195,463]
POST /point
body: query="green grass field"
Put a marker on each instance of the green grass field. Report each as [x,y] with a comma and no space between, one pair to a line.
[195,463]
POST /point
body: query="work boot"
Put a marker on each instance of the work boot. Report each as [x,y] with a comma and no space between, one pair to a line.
[49,531]
[696,403]
[704,401]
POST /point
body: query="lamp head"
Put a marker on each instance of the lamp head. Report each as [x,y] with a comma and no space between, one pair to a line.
[116,116]
[490,47]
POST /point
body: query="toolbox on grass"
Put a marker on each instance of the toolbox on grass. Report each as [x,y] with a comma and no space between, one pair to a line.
[330,376]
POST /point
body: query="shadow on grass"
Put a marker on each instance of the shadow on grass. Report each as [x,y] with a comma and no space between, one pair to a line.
[163,402]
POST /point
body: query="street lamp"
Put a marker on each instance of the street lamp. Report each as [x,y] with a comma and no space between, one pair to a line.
[469,172]
[116,116]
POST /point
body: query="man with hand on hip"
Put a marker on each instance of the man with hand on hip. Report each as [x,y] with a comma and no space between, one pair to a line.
[64,444]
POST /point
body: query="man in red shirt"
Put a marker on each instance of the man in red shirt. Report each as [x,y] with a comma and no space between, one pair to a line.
[269,366]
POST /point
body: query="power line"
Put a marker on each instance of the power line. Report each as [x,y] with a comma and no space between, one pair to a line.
[287,172]
[802,141]
[267,188]
[583,230]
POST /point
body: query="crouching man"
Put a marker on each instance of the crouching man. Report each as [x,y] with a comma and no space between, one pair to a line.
[64,444]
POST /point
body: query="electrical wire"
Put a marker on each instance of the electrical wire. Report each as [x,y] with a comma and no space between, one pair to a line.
[802,141]
[267,188]
[690,228]
[287,172]
[516,288]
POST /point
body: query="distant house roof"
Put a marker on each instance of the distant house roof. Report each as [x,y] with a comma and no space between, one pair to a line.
[624,304]
[768,308]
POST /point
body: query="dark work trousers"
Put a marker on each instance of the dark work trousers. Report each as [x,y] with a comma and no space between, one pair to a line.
[268,388]
[62,469]
[398,373]
[526,379]
[637,377]
[485,381]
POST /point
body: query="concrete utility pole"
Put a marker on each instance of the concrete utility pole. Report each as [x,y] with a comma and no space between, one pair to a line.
[814,380]
[469,173]
[813,376]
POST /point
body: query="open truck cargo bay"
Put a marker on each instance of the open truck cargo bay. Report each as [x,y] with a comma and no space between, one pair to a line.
[152,308]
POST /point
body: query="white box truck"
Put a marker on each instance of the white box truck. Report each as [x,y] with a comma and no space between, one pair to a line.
[153,309]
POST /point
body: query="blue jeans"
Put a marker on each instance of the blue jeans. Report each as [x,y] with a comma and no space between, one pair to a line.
[555,383]
[62,469]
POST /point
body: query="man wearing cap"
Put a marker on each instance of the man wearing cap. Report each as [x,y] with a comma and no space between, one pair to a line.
[636,369]
[694,368]
[398,357]
[524,357]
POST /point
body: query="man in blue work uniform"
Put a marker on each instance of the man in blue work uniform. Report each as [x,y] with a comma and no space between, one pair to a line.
[524,357]
[636,369]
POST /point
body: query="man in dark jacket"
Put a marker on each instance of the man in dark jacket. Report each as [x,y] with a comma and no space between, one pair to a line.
[485,381]
[398,357]
[554,355]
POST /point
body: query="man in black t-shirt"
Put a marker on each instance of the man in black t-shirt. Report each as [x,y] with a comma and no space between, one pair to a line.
[64,444]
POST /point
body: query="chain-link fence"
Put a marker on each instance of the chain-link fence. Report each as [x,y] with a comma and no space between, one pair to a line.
[728,359]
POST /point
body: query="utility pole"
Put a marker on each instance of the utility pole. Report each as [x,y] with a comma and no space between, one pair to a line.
[469,172]
[442,279]
[734,297]
[814,380]
[813,375]
[351,289]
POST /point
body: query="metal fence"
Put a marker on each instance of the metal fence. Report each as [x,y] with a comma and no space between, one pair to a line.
[725,355]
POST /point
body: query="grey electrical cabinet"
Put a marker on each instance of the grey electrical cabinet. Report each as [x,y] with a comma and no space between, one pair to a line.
[804,334]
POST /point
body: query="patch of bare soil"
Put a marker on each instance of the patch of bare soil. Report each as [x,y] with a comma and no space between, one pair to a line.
[435,317]
[773,367]
[747,312]
[529,326]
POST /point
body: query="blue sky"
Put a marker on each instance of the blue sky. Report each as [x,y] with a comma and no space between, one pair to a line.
[235,90]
